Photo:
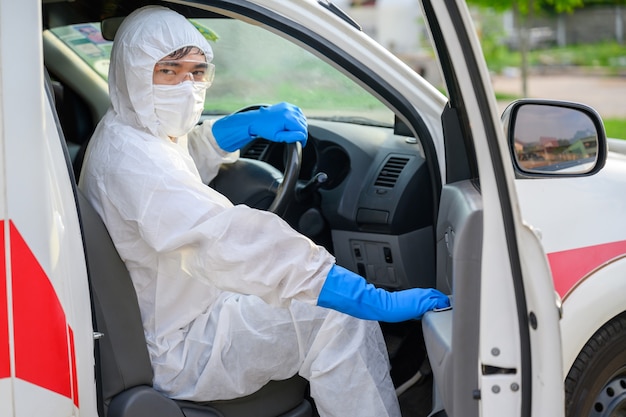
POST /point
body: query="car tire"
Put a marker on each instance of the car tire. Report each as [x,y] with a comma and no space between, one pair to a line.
[596,384]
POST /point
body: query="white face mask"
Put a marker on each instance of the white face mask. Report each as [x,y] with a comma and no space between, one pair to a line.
[179,107]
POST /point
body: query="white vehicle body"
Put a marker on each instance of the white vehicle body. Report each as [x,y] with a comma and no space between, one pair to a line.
[587,261]
[538,234]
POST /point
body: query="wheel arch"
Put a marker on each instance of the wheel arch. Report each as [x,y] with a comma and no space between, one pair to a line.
[588,306]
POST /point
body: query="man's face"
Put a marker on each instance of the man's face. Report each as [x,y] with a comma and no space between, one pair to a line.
[190,67]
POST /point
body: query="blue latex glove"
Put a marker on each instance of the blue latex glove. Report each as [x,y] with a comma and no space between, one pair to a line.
[282,122]
[350,293]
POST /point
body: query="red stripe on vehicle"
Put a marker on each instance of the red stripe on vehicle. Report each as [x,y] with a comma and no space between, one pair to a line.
[570,266]
[42,355]
[5,356]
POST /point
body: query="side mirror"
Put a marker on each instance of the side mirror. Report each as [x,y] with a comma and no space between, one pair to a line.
[554,138]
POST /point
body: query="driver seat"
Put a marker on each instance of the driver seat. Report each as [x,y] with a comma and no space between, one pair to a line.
[125,372]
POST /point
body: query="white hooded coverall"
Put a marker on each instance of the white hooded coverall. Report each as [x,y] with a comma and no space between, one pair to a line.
[227,293]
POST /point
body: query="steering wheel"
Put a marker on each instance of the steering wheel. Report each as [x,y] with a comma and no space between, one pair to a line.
[258,184]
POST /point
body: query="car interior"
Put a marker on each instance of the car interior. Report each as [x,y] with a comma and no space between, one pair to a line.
[366,188]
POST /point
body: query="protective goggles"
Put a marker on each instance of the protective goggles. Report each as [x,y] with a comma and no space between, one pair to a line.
[172,72]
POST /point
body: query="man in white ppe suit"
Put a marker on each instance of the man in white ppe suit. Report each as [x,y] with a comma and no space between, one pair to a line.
[230,297]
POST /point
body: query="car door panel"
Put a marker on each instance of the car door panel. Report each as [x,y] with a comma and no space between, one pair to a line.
[459,243]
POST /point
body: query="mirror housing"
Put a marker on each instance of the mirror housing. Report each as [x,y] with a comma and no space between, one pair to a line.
[109,27]
[549,138]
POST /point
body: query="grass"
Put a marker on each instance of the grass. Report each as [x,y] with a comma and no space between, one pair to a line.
[615,128]
[610,56]
[506,96]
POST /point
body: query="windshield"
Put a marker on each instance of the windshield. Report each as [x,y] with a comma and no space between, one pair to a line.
[255,66]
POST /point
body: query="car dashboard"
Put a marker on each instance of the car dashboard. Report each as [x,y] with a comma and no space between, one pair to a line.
[368,200]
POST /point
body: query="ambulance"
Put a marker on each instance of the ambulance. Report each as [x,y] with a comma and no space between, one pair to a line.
[518,216]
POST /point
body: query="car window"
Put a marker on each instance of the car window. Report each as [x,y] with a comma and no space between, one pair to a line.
[87,42]
[255,66]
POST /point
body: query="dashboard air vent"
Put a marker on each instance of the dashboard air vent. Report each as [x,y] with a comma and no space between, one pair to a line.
[256,150]
[390,173]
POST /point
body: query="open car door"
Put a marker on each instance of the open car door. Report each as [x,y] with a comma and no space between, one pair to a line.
[498,351]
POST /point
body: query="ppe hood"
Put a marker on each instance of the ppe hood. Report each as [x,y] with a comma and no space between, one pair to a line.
[146,36]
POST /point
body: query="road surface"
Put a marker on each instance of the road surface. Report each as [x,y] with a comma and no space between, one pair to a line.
[607,95]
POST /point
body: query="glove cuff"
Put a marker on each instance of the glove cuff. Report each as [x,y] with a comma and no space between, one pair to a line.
[232,132]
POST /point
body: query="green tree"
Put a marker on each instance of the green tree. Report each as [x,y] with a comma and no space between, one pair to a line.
[523,11]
